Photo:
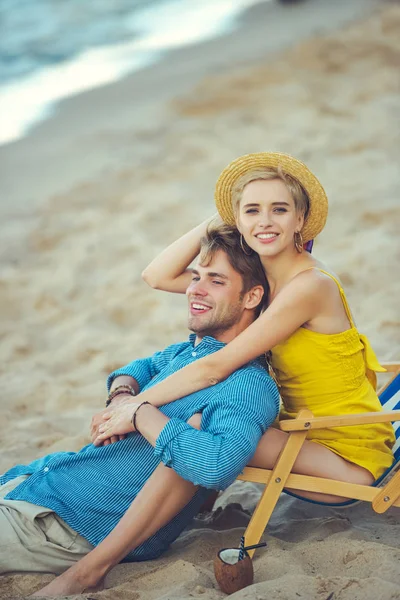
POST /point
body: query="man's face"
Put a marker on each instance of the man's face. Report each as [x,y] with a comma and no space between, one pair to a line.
[215,297]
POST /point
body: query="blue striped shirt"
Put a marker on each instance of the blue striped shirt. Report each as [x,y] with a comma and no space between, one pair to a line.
[92,489]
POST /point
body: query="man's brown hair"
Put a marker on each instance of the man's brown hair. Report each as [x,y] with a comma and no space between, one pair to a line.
[227,238]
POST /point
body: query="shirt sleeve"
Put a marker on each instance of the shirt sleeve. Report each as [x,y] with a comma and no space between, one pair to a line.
[232,426]
[144,369]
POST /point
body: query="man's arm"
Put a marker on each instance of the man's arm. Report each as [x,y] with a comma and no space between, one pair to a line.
[138,375]
[124,380]
[98,418]
[232,424]
[142,370]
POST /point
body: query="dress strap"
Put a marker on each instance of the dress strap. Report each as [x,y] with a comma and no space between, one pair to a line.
[372,365]
[341,290]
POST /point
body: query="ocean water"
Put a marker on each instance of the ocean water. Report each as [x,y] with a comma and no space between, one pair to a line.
[52,49]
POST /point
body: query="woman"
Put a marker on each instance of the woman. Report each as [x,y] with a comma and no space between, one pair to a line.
[320,360]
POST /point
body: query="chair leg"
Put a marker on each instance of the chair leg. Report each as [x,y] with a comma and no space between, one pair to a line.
[273,489]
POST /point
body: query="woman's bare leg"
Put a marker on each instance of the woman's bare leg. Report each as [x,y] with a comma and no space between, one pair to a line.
[314,459]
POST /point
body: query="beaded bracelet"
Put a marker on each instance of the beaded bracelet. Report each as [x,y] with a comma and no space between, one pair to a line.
[122,392]
[120,389]
[133,420]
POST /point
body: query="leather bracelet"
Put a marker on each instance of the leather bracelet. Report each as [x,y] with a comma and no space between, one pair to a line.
[133,420]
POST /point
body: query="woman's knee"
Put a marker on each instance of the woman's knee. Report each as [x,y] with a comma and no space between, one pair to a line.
[268,449]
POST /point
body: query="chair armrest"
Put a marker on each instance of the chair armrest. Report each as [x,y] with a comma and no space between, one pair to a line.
[391,367]
[339,421]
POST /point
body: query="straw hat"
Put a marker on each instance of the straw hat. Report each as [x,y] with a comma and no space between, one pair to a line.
[318,210]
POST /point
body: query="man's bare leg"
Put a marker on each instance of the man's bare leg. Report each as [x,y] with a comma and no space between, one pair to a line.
[163,496]
[166,493]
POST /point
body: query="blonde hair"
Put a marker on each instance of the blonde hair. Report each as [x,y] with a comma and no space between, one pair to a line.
[296,190]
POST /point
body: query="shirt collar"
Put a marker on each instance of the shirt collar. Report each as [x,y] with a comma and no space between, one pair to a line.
[207,342]
[210,344]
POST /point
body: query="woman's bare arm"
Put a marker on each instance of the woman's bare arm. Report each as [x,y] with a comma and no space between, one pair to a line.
[301,301]
[169,270]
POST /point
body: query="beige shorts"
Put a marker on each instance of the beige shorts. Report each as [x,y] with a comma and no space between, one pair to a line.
[34,539]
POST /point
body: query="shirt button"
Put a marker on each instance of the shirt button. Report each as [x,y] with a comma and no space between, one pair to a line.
[46,469]
[194,353]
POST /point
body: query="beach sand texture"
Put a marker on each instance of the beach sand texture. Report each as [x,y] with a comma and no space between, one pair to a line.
[73,306]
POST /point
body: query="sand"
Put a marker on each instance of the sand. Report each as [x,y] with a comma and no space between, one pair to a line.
[73,306]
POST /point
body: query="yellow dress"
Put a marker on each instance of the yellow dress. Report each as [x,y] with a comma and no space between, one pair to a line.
[334,374]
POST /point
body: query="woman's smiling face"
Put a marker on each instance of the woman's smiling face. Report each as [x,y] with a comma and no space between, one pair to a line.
[267,217]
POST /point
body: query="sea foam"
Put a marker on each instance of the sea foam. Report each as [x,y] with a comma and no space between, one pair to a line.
[158,28]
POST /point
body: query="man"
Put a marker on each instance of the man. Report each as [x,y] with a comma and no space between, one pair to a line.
[55,510]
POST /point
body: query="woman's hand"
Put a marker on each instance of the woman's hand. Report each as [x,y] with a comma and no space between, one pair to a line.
[169,270]
[96,422]
[117,422]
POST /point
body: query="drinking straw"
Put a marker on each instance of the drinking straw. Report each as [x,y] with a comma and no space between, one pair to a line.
[260,545]
[241,548]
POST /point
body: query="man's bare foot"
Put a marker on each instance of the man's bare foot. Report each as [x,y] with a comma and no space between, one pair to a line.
[65,585]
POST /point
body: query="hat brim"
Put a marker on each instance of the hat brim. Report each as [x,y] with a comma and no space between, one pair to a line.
[318,201]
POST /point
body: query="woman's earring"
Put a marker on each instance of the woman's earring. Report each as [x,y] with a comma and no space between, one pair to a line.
[298,242]
[242,245]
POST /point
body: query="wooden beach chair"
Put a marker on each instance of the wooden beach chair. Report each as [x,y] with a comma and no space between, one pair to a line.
[384,493]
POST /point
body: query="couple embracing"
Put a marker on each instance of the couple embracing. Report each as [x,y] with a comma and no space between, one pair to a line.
[184,422]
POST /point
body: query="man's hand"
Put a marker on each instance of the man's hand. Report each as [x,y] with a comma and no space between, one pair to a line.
[98,419]
[116,422]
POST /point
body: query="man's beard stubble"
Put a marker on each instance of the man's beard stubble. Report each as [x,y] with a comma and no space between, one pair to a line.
[217,324]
